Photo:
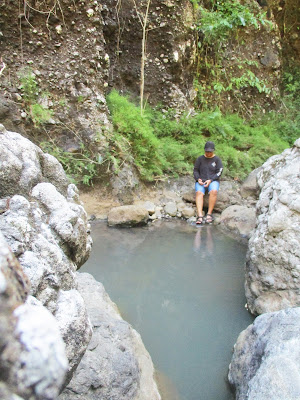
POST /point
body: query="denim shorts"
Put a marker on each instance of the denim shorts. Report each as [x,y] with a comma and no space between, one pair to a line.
[214,185]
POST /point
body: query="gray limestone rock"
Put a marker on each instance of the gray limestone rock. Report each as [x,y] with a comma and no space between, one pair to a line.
[116,365]
[128,216]
[171,209]
[43,361]
[23,165]
[249,187]
[266,359]
[47,230]
[124,183]
[32,353]
[68,220]
[273,259]
[229,194]
[239,219]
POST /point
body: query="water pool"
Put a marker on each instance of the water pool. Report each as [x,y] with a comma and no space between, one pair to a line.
[182,288]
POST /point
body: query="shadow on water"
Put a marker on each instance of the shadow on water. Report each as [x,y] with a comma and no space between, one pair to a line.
[182,289]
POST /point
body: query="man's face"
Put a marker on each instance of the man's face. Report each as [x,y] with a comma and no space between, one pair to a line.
[209,154]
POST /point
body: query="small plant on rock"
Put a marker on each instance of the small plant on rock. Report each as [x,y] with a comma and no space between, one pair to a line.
[37,112]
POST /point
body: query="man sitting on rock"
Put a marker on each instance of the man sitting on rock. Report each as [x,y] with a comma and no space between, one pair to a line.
[207,171]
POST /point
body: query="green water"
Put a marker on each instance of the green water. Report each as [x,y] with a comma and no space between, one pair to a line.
[182,288]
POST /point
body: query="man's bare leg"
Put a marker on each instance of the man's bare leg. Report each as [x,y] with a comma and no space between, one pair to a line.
[212,201]
[199,203]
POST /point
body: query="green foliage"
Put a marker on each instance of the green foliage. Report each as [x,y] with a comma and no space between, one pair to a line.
[286,123]
[223,17]
[29,87]
[248,79]
[80,167]
[38,113]
[135,127]
[159,144]
[217,22]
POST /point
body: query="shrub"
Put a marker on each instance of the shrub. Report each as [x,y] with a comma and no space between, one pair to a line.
[80,167]
[145,146]
[159,144]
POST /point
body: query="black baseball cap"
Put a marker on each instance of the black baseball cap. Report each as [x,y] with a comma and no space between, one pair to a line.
[209,146]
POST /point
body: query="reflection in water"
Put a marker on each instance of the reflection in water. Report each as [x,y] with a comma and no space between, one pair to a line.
[207,247]
[181,287]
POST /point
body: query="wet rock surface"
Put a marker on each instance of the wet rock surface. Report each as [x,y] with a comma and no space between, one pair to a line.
[273,259]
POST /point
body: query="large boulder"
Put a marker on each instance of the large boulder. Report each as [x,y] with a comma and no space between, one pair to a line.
[46,229]
[23,165]
[116,364]
[239,220]
[273,258]
[132,215]
[266,359]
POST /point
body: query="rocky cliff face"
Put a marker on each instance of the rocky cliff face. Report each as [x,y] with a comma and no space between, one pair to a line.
[45,335]
[79,51]
[265,362]
[273,259]
[170,50]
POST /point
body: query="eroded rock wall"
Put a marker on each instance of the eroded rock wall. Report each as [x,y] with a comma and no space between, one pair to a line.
[170,49]
[273,259]
[46,228]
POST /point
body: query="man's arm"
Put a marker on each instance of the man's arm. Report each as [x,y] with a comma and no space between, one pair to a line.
[219,170]
[197,169]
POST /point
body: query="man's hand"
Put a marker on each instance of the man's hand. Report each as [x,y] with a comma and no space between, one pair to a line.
[200,182]
[207,183]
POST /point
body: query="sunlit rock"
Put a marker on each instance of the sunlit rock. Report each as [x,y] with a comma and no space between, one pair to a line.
[128,216]
[46,228]
[32,358]
[239,219]
[273,259]
[266,359]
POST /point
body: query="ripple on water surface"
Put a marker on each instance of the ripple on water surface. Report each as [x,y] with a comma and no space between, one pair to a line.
[182,289]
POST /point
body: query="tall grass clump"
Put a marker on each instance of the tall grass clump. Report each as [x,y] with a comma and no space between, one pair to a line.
[152,157]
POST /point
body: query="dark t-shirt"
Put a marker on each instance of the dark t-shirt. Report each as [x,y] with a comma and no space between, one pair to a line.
[208,168]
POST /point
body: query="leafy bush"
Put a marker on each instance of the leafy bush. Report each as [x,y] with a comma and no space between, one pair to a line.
[159,144]
[223,17]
